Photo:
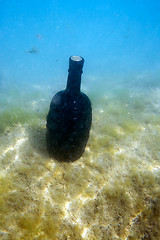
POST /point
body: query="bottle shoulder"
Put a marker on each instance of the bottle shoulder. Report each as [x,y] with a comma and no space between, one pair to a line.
[85,97]
[65,97]
[69,111]
[58,98]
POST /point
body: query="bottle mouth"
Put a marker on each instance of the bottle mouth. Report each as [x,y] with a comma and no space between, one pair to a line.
[76,64]
[76,58]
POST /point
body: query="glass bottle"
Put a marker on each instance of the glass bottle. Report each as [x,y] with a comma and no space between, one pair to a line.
[69,118]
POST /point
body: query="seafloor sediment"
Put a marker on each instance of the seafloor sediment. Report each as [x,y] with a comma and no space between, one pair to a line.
[112,192]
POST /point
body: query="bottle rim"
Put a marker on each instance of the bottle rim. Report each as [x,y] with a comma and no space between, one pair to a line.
[76,58]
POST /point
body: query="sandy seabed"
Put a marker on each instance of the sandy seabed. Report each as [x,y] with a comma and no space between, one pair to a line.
[111,192]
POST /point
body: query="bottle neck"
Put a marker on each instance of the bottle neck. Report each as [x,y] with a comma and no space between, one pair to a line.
[74,76]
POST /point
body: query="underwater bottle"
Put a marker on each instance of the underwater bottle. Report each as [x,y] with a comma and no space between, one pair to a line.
[69,117]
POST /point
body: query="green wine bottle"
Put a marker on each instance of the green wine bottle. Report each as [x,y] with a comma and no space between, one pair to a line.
[69,118]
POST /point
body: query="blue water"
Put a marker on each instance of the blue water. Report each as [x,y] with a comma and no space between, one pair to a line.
[115,38]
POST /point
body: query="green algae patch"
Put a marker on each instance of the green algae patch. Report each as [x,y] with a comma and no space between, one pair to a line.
[50,227]
[14,116]
[129,126]
[21,105]
[102,141]
[111,131]
[152,142]
[29,222]
[5,187]
[117,110]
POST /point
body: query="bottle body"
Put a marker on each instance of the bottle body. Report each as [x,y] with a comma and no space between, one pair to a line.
[69,122]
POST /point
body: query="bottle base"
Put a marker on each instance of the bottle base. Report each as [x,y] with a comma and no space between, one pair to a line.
[63,151]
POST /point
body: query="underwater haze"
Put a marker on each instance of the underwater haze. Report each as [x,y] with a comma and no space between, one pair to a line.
[113,190]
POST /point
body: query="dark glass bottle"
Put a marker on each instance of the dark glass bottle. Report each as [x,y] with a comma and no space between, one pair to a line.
[69,118]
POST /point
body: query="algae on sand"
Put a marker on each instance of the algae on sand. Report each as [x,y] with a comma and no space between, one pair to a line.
[111,192]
